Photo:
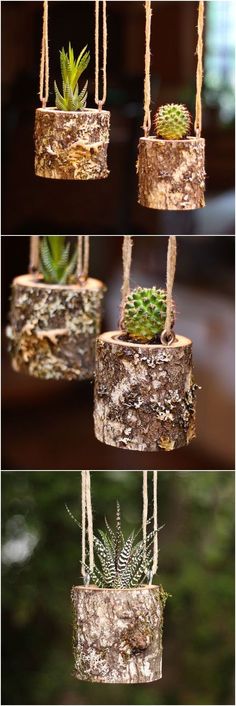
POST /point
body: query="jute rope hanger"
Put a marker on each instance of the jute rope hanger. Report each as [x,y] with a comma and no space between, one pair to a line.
[83,248]
[167,336]
[44,63]
[87,523]
[100,102]
[199,70]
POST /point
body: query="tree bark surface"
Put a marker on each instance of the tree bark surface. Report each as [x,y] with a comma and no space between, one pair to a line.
[53,328]
[171,173]
[144,394]
[118,634]
[71,144]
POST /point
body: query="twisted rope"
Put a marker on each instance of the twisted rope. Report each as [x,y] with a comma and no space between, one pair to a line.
[147,77]
[199,72]
[83,248]
[168,337]
[100,102]
[34,254]
[87,519]
[44,63]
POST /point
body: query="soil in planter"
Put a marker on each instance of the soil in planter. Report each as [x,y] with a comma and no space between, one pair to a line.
[53,328]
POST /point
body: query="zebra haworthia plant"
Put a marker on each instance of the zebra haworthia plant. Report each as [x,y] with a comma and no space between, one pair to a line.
[122,563]
[57,265]
[71,70]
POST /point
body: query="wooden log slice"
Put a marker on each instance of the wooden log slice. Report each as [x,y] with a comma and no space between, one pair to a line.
[171,173]
[53,328]
[71,144]
[144,394]
[118,634]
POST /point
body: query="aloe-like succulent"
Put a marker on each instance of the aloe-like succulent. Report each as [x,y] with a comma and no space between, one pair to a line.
[57,264]
[122,562]
[71,70]
[144,313]
[172,121]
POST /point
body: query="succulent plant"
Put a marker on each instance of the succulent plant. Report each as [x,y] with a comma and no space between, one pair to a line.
[172,121]
[71,70]
[57,265]
[121,561]
[145,313]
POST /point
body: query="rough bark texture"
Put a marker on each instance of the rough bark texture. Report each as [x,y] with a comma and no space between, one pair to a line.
[53,328]
[71,145]
[144,394]
[171,173]
[118,634]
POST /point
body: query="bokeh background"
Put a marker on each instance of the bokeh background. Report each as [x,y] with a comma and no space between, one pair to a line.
[41,562]
[34,205]
[49,424]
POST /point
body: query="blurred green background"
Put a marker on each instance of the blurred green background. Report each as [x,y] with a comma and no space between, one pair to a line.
[41,555]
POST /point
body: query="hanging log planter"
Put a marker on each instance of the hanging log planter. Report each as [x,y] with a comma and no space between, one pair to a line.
[171,164]
[71,145]
[71,140]
[171,173]
[53,328]
[144,394]
[118,634]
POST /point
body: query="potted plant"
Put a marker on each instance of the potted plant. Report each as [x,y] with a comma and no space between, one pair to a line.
[171,164]
[71,140]
[118,618]
[145,396]
[54,317]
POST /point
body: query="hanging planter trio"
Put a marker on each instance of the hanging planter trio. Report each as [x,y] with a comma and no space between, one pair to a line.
[71,140]
[118,617]
[56,313]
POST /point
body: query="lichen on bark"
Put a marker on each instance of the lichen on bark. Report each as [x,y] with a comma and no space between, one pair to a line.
[145,395]
[171,173]
[53,328]
[117,634]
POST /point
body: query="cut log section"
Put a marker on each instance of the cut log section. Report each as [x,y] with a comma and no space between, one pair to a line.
[53,328]
[144,394]
[71,144]
[118,634]
[171,173]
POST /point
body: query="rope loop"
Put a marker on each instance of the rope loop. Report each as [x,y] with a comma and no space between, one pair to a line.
[154,568]
[83,248]
[168,336]
[44,63]
[147,75]
[87,526]
[199,71]
[34,255]
[100,101]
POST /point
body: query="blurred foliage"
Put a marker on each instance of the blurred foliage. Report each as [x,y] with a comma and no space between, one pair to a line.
[41,555]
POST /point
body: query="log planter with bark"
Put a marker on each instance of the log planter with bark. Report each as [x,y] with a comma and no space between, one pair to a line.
[53,328]
[144,393]
[118,634]
[71,144]
[171,173]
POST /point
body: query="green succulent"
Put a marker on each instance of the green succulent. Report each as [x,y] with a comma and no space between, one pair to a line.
[71,70]
[121,561]
[57,265]
[172,121]
[145,313]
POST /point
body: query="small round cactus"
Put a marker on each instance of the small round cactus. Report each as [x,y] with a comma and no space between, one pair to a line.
[145,313]
[172,122]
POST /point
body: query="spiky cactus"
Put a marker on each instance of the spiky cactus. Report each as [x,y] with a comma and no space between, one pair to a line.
[57,265]
[145,313]
[71,70]
[122,563]
[172,121]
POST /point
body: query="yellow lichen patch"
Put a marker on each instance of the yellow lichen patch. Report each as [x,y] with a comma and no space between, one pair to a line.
[191,433]
[166,444]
